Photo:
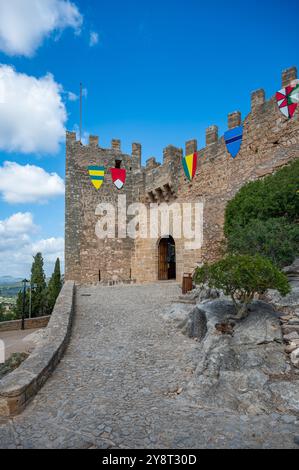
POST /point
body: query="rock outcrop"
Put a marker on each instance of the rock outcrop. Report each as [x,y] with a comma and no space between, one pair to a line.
[200,293]
[242,365]
[289,306]
[293,273]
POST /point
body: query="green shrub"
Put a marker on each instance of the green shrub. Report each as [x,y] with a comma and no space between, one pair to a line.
[263,217]
[6,316]
[241,277]
[274,196]
[276,239]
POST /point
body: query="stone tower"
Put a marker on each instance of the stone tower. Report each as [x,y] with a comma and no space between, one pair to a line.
[270,141]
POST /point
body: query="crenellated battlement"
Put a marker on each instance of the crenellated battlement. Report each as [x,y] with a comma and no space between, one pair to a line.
[161,179]
[288,75]
[171,154]
[151,163]
[93,145]
[158,176]
[269,141]
[257,99]
[155,172]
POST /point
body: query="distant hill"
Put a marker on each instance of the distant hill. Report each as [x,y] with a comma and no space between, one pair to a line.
[10,286]
[9,280]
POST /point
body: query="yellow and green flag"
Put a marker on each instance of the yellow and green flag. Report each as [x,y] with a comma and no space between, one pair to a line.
[189,164]
[96,175]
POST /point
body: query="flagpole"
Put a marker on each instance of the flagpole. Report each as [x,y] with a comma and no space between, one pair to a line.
[80,112]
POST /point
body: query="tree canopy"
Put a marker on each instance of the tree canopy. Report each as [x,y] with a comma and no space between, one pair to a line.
[263,217]
[54,286]
[274,196]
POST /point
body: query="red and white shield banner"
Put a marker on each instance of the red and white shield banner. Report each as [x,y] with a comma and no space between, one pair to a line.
[288,98]
[118,176]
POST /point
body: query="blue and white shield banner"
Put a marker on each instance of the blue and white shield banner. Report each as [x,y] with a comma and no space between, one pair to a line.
[233,140]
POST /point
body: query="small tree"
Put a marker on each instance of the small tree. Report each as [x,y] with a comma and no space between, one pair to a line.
[241,277]
[39,293]
[54,286]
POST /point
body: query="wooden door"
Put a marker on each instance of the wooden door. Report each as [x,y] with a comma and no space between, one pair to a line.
[162,260]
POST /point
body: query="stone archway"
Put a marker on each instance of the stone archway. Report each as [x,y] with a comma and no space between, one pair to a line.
[166,259]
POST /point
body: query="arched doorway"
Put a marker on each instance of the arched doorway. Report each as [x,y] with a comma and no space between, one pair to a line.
[166,259]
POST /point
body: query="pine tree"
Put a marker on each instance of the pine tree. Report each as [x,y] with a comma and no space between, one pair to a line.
[39,291]
[54,286]
[18,308]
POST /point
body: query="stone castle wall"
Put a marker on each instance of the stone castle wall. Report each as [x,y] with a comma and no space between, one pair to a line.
[269,141]
[88,258]
[29,324]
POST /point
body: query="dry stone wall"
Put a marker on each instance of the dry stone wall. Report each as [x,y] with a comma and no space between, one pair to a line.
[19,387]
[29,323]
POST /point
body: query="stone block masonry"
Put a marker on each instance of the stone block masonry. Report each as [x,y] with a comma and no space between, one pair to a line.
[30,324]
[270,141]
[19,387]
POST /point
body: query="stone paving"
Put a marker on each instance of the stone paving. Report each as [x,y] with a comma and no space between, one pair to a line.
[121,385]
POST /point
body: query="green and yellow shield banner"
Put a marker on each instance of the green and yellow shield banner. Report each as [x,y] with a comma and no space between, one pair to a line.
[96,175]
[189,164]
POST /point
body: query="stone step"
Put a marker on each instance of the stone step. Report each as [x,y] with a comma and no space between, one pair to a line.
[291,336]
[286,317]
[292,346]
[295,357]
[290,328]
[117,283]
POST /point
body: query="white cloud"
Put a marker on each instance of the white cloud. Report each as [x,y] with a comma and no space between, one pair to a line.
[28,183]
[32,113]
[72,96]
[17,247]
[19,223]
[93,38]
[85,135]
[24,24]
[51,248]
[16,230]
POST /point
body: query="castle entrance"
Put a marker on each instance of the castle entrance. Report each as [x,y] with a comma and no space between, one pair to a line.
[166,259]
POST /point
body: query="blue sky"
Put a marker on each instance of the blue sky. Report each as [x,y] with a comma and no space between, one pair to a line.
[156,72]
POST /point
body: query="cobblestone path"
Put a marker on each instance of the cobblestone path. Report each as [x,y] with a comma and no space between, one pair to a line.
[116,385]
